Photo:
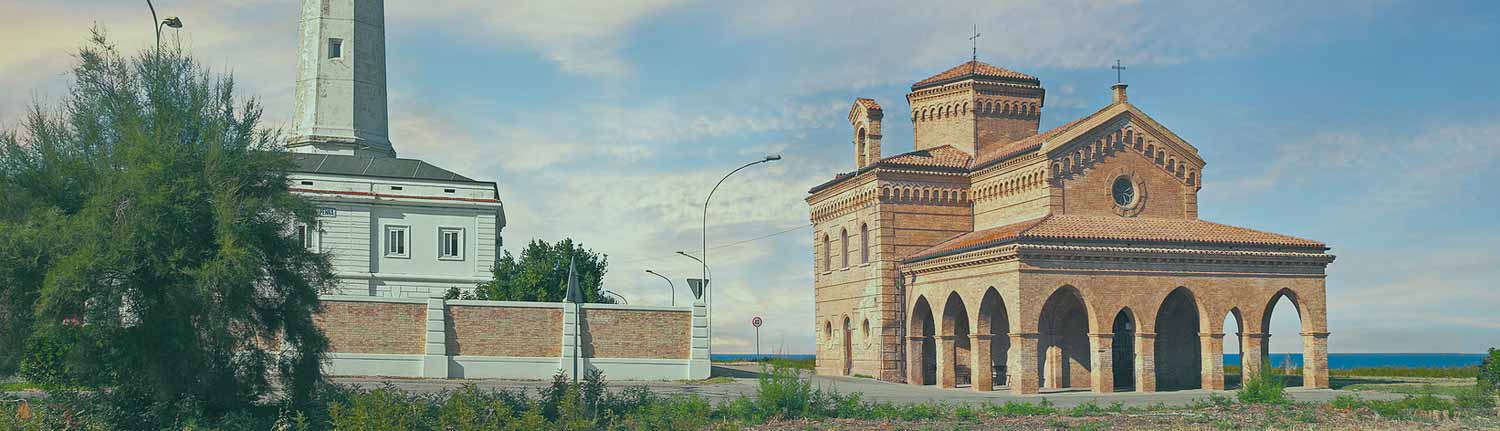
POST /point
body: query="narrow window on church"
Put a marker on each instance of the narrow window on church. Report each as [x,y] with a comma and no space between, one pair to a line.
[844,244]
[864,243]
[396,241]
[335,48]
[450,243]
[827,252]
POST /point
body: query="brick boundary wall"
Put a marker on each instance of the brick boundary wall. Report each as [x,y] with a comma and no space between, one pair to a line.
[440,338]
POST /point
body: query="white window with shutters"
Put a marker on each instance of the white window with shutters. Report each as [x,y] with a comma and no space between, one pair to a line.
[450,243]
[397,241]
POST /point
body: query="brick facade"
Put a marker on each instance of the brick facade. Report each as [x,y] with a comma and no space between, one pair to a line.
[635,334]
[373,327]
[1068,258]
[504,331]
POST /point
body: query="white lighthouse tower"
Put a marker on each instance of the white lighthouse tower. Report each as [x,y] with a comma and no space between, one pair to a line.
[340,96]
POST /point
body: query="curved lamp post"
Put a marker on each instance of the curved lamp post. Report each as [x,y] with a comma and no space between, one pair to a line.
[622,297]
[171,21]
[708,293]
[669,285]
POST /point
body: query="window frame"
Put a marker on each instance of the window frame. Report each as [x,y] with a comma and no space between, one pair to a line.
[844,245]
[304,233]
[441,242]
[864,243]
[335,48]
[390,251]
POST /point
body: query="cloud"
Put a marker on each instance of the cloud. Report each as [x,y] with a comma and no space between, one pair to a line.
[582,37]
[885,42]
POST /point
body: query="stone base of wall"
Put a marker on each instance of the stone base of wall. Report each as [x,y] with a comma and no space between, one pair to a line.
[494,367]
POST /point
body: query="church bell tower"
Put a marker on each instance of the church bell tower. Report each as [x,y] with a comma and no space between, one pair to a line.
[340,95]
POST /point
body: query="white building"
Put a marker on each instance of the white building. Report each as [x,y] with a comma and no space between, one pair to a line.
[395,227]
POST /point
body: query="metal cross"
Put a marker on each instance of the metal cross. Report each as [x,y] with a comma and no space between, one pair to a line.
[974,41]
[1118,68]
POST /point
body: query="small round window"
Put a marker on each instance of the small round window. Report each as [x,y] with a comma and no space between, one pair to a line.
[1123,191]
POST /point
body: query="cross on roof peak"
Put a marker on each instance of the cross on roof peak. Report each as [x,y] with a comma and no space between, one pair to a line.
[974,44]
[1118,68]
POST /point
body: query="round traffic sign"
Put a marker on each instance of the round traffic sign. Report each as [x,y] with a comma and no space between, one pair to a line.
[755,321]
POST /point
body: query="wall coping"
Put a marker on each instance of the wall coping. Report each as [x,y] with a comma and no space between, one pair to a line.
[519,304]
[625,307]
[357,298]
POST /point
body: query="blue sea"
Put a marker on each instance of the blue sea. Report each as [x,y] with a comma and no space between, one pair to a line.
[1335,360]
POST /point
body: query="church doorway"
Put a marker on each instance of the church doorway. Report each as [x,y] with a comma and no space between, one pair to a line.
[1122,352]
[1179,351]
[995,322]
[925,355]
[1063,348]
[956,328]
[848,348]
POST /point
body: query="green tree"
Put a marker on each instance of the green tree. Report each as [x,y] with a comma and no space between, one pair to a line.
[151,210]
[1489,372]
[541,274]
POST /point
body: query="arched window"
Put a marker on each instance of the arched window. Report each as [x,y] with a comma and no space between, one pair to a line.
[859,149]
[827,251]
[844,244]
[864,243]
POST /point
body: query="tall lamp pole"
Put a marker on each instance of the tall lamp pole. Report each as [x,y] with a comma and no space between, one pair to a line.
[669,284]
[708,293]
[622,297]
[171,21]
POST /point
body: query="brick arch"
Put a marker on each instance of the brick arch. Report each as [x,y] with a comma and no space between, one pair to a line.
[922,354]
[1303,319]
[1063,324]
[1178,349]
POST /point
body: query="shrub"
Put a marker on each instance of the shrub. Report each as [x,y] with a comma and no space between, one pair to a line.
[1014,408]
[1477,397]
[1264,388]
[47,361]
[783,393]
[1489,371]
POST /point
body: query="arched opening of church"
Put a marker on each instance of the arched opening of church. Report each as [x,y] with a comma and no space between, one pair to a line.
[993,328]
[1179,350]
[1063,345]
[1122,350]
[1234,344]
[848,346]
[924,350]
[1283,340]
[956,334]
[859,148]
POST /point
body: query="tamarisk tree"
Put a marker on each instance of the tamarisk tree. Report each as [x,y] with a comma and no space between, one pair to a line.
[148,218]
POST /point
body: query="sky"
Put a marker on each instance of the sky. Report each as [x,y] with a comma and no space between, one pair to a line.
[1369,125]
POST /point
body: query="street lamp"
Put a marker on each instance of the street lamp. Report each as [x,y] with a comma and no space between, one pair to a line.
[622,297]
[669,284]
[708,294]
[171,21]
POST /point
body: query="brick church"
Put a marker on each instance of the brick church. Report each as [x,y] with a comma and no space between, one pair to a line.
[998,256]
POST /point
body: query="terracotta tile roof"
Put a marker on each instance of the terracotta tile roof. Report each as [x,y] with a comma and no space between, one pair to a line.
[868,103]
[976,239]
[944,157]
[1109,228]
[995,153]
[1158,230]
[975,68]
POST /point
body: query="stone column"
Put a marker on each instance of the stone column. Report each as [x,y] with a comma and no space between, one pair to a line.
[1102,368]
[571,352]
[1213,360]
[946,372]
[914,358]
[699,367]
[981,367]
[1055,364]
[1145,361]
[1250,354]
[435,358]
[1315,360]
[1021,366]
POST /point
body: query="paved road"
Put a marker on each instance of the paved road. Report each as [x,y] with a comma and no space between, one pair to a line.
[744,384]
